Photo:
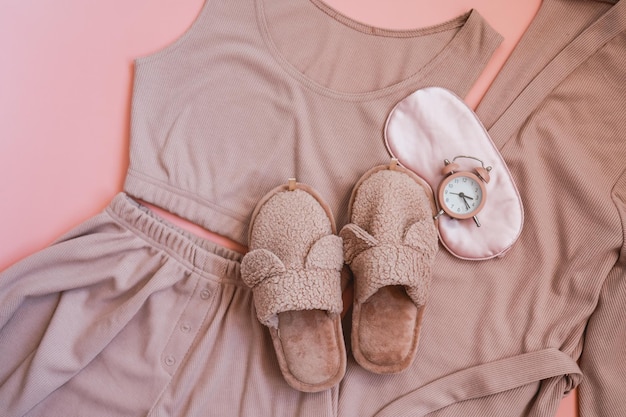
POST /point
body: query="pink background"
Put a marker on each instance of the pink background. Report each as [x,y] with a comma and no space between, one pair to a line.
[65,89]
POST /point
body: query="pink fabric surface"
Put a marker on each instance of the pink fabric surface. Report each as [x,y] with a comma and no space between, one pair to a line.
[66,81]
[432,125]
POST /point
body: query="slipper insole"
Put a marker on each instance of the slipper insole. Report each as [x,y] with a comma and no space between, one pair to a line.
[310,345]
[388,327]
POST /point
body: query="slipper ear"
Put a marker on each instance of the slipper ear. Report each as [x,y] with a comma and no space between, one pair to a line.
[258,265]
[326,253]
[355,241]
[422,236]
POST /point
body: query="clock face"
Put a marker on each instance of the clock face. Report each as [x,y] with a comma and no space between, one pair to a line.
[462,195]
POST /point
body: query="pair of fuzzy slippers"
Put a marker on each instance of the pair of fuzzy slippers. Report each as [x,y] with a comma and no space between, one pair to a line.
[294,268]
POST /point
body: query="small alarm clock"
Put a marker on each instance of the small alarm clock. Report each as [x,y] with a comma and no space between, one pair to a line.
[462,194]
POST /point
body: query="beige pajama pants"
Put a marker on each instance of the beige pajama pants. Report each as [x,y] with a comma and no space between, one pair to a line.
[129,316]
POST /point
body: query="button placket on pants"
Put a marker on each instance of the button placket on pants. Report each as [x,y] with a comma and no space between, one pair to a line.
[188,325]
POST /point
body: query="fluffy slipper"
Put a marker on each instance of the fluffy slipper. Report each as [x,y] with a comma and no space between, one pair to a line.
[294,268]
[390,246]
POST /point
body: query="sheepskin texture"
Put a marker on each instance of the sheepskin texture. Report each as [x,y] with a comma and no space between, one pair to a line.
[390,246]
[294,268]
[295,261]
[392,238]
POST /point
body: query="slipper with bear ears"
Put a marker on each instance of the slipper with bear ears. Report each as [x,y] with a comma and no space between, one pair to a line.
[294,268]
[390,246]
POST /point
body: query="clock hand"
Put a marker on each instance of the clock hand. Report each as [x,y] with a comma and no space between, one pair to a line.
[462,195]
[467,206]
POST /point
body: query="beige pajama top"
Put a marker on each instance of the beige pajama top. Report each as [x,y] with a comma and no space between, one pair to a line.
[258,91]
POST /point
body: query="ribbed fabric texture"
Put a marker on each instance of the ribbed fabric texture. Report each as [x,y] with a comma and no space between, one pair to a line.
[556,114]
[127,316]
[260,91]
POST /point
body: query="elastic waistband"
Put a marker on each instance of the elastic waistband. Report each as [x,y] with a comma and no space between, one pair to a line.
[200,254]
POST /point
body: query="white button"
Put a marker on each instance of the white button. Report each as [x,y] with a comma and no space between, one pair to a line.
[205,294]
[170,360]
[185,327]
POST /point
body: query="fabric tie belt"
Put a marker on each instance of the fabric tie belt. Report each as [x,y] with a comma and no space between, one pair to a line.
[486,379]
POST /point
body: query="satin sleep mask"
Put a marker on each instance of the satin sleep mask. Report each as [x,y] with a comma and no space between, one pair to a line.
[435,134]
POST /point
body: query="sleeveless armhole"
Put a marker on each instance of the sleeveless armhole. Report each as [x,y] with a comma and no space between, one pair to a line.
[176,43]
